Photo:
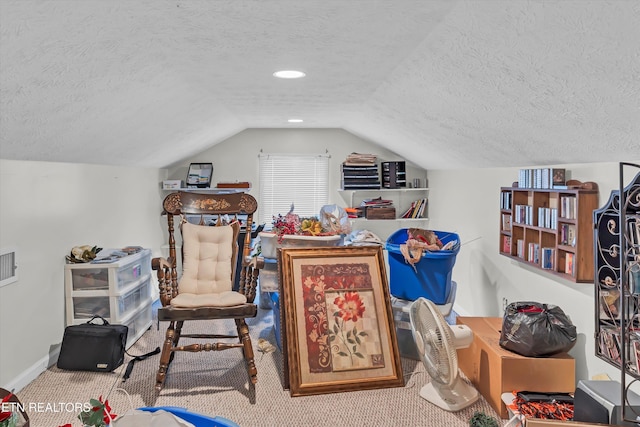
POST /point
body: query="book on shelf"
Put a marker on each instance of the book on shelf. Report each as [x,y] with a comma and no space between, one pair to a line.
[547,218]
[635,345]
[506,222]
[548,258]
[569,265]
[520,248]
[505,200]
[533,253]
[523,214]
[541,178]
[634,277]
[609,302]
[568,234]
[416,210]
[506,244]
[609,343]
[568,207]
[634,234]
[558,176]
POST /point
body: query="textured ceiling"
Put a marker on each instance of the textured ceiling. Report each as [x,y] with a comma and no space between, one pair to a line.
[447,84]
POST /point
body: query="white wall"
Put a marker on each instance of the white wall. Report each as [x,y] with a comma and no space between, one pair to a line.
[467,202]
[46,209]
[236,159]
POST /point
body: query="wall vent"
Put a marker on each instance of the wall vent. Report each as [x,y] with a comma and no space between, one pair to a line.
[8,266]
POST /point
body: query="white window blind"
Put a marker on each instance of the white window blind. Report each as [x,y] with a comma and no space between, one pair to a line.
[298,179]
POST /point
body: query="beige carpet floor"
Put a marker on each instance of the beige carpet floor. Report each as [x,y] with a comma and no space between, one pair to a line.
[215,384]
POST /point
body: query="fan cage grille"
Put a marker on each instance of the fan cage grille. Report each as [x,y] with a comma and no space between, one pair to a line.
[438,355]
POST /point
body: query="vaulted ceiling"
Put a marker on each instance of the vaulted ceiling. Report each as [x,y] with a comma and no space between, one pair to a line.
[446,84]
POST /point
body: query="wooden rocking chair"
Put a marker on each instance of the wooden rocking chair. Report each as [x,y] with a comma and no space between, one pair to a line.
[204,290]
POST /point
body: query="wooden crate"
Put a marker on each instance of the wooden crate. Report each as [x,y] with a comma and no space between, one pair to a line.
[385,212]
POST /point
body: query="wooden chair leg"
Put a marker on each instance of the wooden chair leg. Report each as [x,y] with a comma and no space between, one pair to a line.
[165,357]
[245,339]
[176,338]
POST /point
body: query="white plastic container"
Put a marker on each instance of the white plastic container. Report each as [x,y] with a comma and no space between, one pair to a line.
[83,305]
[270,244]
[112,277]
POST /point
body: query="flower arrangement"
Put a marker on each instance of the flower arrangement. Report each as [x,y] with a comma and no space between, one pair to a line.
[286,225]
[292,224]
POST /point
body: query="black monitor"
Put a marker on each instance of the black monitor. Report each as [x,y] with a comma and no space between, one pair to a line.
[199,175]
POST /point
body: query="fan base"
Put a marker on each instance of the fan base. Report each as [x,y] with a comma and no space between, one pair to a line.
[448,398]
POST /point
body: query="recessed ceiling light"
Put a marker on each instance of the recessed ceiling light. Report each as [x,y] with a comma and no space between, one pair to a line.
[295,120]
[289,74]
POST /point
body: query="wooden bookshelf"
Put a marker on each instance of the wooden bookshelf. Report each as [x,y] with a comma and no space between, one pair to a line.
[550,229]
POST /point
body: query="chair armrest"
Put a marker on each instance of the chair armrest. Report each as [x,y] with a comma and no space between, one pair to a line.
[161,263]
[256,262]
[167,278]
[249,276]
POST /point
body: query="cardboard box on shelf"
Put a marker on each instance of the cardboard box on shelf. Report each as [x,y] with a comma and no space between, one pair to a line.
[494,370]
[171,184]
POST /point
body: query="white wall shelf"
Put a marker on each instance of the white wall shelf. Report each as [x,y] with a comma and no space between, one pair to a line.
[210,190]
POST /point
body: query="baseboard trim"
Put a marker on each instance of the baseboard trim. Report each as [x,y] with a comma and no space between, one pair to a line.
[30,374]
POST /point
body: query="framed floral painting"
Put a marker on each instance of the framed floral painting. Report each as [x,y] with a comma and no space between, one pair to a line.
[338,329]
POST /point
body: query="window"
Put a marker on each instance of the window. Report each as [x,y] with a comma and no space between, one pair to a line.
[298,179]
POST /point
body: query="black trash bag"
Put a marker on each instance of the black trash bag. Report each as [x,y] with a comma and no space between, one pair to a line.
[533,329]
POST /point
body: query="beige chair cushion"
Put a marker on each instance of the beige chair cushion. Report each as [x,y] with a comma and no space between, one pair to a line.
[207,267]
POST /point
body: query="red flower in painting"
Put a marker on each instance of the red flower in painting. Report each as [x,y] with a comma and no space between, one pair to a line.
[351,306]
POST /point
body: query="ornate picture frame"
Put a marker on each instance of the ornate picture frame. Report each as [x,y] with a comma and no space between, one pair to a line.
[338,327]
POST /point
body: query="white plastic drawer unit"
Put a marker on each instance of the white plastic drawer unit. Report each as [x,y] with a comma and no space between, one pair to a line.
[86,304]
[117,290]
[138,323]
[113,276]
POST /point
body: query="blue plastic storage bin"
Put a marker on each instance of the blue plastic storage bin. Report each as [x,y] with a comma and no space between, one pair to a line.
[197,420]
[431,277]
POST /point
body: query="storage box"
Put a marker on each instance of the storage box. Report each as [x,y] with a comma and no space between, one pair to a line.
[386,212]
[98,303]
[431,277]
[268,283]
[494,370]
[138,322]
[400,308]
[406,343]
[270,244]
[244,184]
[95,277]
[171,184]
